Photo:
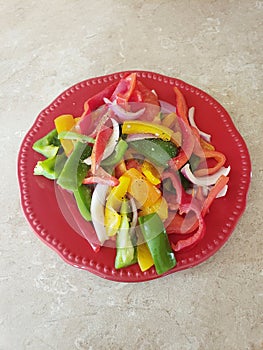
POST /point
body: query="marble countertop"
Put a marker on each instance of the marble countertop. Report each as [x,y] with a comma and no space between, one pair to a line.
[47,46]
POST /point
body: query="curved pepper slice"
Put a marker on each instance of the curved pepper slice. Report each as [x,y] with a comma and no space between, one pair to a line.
[151,173]
[218,156]
[187,147]
[198,235]
[141,127]
[219,185]
[181,106]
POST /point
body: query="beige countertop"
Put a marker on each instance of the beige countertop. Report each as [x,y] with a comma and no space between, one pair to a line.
[47,46]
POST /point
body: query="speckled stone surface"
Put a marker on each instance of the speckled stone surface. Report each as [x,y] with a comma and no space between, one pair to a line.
[47,47]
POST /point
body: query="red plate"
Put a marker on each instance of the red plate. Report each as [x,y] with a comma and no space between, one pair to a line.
[43,213]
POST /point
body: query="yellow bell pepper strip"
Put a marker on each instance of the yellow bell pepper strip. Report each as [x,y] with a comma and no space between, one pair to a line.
[48,145]
[145,193]
[157,241]
[74,170]
[114,201]
[142,127]
[218,156]
[160,207]
[117,193]
[158,151]
[65,122]
[151,173]
[125,249]
[144,257]
[181,106]
[112,221]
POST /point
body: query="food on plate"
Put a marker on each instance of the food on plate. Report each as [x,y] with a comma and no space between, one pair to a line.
[140,171]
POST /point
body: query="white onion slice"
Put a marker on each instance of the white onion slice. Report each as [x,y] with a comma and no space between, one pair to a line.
[223,192]
[97,207]
[134,214]
[167,107]
[121,113]
[136,137]
[204,180]
[111,143]
[204,135]
[113,140]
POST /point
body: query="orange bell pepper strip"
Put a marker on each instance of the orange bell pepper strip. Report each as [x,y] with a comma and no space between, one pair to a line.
[218,156]
[206,145]
[181,106]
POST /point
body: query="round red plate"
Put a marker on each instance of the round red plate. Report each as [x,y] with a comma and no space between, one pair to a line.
[39,201]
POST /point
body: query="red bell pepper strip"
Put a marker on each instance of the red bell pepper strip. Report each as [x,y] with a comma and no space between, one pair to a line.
[218,156]
[220,184]
[101,177]
[198,235]
[181,106]
[86,122]
[186,150]
[142,94]
[182,224]
[100,144]
[124,89]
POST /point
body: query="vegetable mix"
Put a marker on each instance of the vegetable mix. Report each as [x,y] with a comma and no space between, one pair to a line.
[140,172]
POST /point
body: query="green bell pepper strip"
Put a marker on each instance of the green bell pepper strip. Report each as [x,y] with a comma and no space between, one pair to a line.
[125,250]
[157,240]
[51,167]
[75,170]
[156,150]
[70,135]
[117,155]
[83,199]
[48,145]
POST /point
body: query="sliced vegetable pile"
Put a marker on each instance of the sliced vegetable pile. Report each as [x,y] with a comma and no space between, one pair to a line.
[140,171]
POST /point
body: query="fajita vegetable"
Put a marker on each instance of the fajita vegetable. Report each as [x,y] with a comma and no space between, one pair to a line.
[140,171]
